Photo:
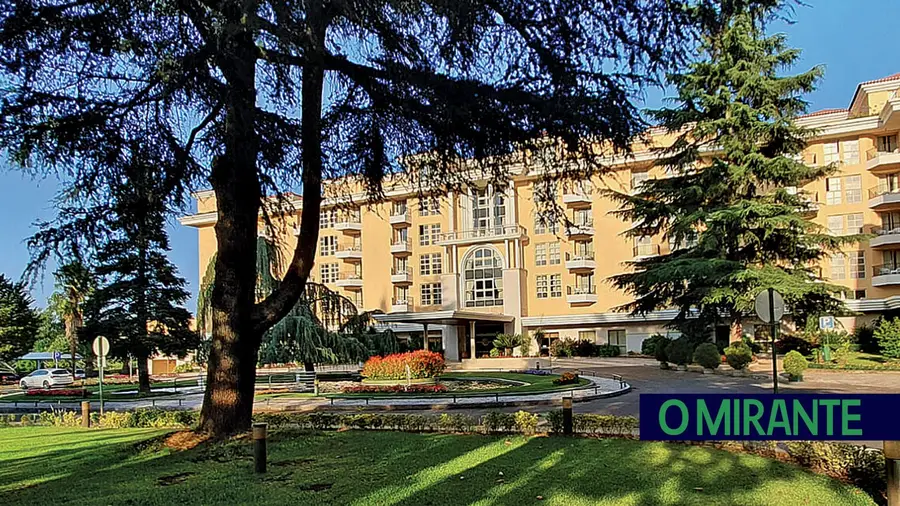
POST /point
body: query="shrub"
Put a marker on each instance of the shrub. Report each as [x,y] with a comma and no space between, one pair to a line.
[67,392]
[863,467]
[738,355]
[604,424]
[679,351]
[422,364]
[506,342]
[795,364]
[608,350]
[498,422]
[566,378]
[456,423]
[794,342]
[649,345]
[660,351]
[393,389]
[562,348]
[494,353]
[555,420]
[526,422]
[707,355]
[887,333]
[864,337]
[525,347]
[754,346]
[585,348]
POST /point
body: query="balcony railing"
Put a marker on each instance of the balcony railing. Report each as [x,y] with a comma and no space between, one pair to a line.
[401,304]
[646,250]
[481,234]
[885,269]
[589,255]
[581,290]
[881,190]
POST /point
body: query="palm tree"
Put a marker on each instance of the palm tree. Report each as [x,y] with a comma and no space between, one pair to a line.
[75,283]
[323,327]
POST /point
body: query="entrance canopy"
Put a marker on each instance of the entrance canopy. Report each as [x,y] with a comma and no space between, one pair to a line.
[46,356]
[446,317]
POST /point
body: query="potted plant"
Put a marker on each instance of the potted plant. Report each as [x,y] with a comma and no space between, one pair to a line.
[738,356]
[794,365]
[707,355]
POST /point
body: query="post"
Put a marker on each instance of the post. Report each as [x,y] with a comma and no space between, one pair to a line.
[774,334]
[425,338]
[102,359]
[259,447]
[567,415]
[86,414]
[175,384]
[892,467]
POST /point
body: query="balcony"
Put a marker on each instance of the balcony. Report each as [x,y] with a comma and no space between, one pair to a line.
[400,218]
[401,305]
[580,262]
[885,238]
[477,235]
[348,224]
[882,162]
[642,251]
[886,275]
[882,198]
[349,252]
[577,198]
[581,294]
[581,229]
[401,276]
[401,247]
[350,280]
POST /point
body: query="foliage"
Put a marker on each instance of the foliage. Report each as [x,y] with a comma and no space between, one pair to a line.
[393,389]
[794,342]
[661,349]
[566,378]
[738,355]
[18,320]
[527,343]
[562,348]
[506,342]
[707,355]
[649,345]
[494,353]
[494,422]
[453,422]
[75,284]
[795,364]
[887,333]
[751,343]
[858,465]
[526,423]
[680,351]
[418,364]
[864,337]
[607,350]
[57,392]
[726,201]
[585,423]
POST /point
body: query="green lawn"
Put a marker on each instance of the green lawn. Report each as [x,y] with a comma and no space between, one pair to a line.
[863,361]
[109,393]
[43,465]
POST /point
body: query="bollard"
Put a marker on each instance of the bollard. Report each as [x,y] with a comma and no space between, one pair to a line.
[567,415]
[259,447]
[892,466]
[86,414]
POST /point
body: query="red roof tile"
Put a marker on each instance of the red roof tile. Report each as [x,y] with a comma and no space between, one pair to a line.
[821,113]
[892,77]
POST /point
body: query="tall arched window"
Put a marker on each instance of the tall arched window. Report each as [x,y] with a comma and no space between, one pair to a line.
[483,272]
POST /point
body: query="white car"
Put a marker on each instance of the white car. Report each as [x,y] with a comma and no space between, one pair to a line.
[47,378]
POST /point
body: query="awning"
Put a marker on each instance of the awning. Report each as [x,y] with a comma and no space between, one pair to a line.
[446,317]
[46,356]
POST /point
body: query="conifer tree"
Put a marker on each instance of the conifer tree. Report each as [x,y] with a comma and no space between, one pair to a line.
[729,205]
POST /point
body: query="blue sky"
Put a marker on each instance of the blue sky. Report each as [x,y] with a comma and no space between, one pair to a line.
[856,41]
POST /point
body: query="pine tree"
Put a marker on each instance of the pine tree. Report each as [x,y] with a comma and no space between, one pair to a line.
[139,303]
[729,207]
[18,320]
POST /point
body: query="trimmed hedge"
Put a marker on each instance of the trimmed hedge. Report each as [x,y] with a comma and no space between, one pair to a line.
[738,355]
[795,364]
[708,356]
[680,351]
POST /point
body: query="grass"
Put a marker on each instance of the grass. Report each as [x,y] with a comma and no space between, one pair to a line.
[108,391]
[45,465]
[861,361]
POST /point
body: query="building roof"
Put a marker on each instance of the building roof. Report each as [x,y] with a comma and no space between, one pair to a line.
[823,112]
[892,77]
[46,355]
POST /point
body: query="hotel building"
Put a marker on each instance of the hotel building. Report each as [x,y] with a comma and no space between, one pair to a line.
[464,266]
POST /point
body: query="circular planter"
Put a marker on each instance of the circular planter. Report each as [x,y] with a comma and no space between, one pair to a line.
[391,382]
[681,368]
[707,370]
[663,365]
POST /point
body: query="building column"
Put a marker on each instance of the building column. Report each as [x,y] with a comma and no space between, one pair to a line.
[425,339]
[472,338]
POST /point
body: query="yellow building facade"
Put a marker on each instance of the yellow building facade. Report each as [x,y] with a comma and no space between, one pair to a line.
[464,266]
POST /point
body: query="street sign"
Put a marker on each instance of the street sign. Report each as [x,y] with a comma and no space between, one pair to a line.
[764,311]
[101,346]
[57,355]
[826,323]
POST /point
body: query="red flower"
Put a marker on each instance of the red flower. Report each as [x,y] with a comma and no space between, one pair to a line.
[422,364]
[72,392]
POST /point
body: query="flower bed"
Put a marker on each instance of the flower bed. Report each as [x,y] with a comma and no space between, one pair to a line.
[566,378]
[393,389]
[417,365]
[69,392]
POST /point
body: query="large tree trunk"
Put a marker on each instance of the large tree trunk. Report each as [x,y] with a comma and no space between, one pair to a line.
[143,374]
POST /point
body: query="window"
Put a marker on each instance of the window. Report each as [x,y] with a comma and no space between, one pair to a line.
[554,253]
[429,206]
[838,264]
[430,264]
[836,224]
[328,273]
[540,282]
[854,223]
[587,335]
[853,189]
[540,253]
[857,264]
[584,283]
[358,300]
[398,207]
[327,218]
[401,235]
[431,294]
[850,152]
[887,143]
[545,224]
[401,266]
[556,286]
[643,246]
[831,152]
[583,217]
[428,234]
[327,245]
[833,191]
[584,249]
[488,208]
[637,179]
[483,274]
[617,338]
[401,295]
